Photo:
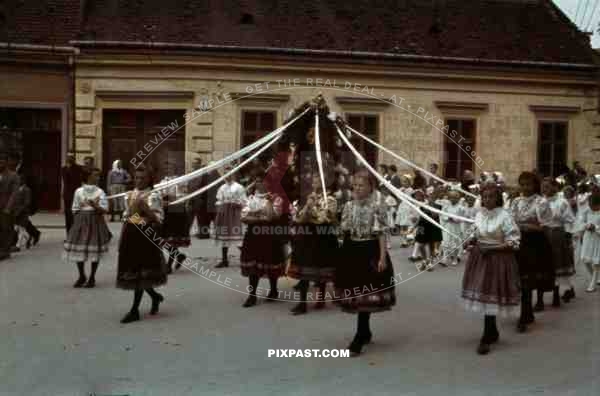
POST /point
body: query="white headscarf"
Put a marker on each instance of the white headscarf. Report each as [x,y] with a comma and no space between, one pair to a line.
[115,164]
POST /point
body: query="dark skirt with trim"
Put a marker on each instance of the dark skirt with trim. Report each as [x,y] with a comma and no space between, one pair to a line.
[88,238]
[359,287]
[141,263]
[535,261]
[263,253]
[561,245]
[176,226]
[314,250]
[491,283]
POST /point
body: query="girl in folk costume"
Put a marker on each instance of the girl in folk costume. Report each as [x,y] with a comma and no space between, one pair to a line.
[365,275]
[263,253]
[568,193]
[403,220]
[89,236]
[533,256]
[434,194]
[469,211]
[141,264]
[452,245]
[175,228]
[560,219]
[589,223]
[231,197]
[315,244]
[118,179]
[422,238]
[491,278]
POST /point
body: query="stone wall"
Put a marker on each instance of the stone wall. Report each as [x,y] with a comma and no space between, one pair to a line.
[506,125]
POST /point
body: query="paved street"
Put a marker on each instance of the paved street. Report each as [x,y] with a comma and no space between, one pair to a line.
[57,340]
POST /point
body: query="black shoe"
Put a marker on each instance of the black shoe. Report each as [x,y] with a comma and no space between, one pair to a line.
[568,295]
[521,326]
[483,348]
[539,306]
[250,302]
[299,309]
[155,304]
[169,271]
[14,249]
[80,282]
[222,264]
[90,283]
[355,347]
[36,238]
[132,316]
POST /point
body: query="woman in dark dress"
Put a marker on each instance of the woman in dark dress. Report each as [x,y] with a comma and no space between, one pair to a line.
[263,253]
[365,275]
[141,264]
[535,264]
[315,244]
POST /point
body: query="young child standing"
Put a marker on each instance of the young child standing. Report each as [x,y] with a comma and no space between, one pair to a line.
[590,244]
[403,214]
[451,245]
[89,235]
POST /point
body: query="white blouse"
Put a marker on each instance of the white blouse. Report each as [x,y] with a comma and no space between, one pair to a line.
[231,193]
[88,192]
[495,227]
[561,214]
[153,200]
[532,209]
[257,206]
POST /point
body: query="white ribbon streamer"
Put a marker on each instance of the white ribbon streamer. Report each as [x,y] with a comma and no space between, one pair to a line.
[319,158]
[222,162]
[413,165]
[226,175]
[393,189]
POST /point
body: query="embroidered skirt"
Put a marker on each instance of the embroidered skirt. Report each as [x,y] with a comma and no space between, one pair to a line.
[141,263]
[491,283]
[263,251]
[359,287]
[228,226]
[314,250]
[88,238]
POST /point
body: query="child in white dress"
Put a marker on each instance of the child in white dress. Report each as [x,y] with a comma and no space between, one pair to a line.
[452,245]
[403,213]
[589,221]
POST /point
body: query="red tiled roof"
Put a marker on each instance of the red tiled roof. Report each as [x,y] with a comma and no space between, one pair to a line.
[513,30]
